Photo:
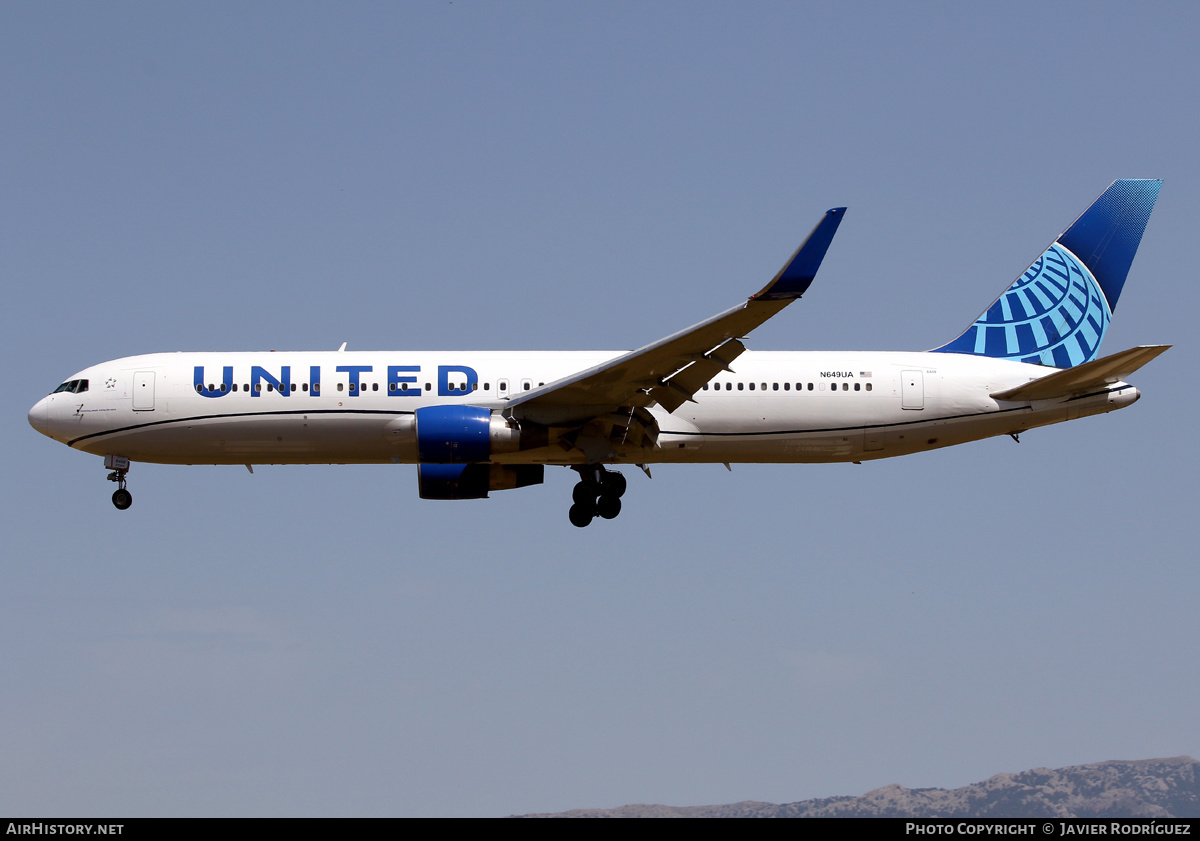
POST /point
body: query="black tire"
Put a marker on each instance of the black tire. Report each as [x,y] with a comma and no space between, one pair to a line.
[122,499]
[584,493]
[614,484]
[581,515]
[608,506]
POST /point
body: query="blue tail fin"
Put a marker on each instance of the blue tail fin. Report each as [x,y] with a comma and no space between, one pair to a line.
[1058,311]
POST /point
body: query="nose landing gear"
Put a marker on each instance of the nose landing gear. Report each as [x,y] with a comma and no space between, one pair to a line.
[119,465]
[598,493]
[122,499]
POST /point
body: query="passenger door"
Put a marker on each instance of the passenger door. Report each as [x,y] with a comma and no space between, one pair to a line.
[143,391]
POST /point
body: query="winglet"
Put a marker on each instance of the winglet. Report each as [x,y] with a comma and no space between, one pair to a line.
[797,274]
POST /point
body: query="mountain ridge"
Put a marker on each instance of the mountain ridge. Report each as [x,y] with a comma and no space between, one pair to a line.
[1138,788]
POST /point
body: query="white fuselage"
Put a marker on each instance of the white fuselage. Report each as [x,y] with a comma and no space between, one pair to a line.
[263,408]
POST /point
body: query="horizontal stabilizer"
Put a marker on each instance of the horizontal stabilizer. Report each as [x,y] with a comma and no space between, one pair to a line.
[1098,373]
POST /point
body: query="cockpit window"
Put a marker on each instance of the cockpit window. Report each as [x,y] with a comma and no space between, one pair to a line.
[73,386]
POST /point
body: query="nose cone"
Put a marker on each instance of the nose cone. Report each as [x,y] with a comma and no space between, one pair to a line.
[39,416]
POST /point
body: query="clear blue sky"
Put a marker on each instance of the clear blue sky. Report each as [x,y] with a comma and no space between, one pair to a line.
[318,641]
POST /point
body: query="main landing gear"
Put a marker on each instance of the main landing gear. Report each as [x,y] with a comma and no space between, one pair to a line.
[598,493]
[119,465]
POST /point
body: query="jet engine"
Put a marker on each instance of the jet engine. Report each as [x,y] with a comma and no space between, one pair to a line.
[455,442]
[463,435]
[473,481]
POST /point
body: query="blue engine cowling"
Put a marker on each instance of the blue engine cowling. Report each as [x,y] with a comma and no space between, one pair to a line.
[462,435]
[473,481]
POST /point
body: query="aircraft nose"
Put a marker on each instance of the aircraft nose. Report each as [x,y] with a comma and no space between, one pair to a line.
[39,416]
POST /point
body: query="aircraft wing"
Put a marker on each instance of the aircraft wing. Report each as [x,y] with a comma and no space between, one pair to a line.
[1098,373]
[668,372]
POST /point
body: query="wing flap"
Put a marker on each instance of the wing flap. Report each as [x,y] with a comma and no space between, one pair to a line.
[1098,373]
[680,387]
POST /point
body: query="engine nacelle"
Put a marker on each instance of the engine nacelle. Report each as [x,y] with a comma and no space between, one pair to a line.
[473,481]
[463,435]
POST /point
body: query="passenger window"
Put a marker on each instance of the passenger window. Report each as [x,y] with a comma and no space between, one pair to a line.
[374,386]
[868,386]
[487,386]
[304,387]
[774,386]
[224,388]
[810,388]
[741,386]
[845,386]
[341,386]
[729,386]
[857,386]
[293,387]
[199,388]
[752,386]
[787,386]
[428,386]
[258,388]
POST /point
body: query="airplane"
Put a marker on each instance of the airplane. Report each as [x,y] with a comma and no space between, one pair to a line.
[477,422]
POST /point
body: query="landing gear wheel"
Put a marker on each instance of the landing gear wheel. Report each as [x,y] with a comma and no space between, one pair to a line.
[581,515]
[608,506]
[614,484]
[585,493]
[122,499]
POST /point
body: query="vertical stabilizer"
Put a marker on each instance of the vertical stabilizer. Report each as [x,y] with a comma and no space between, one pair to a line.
[1058,311]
